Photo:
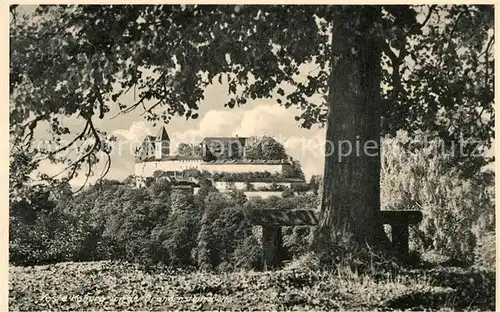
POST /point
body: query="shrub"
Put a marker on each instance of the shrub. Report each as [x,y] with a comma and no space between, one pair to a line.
[287,193]
[238,197]
[203,253]
[223,225]
[293,170]
[41,232]
[264,148]
[249,186]
[486,251]
[297,240]
[248,254]
[452,205]
[175,241]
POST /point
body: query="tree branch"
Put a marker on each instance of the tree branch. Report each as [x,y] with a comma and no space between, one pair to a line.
[141,101]
[486,75]
[454,28]
[80,136]
[427,18]
[150,110]
[12,10]
[388,51]
[95,147]
[162,76]
[101,102]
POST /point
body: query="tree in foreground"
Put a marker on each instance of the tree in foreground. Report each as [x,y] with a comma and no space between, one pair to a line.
[376,69]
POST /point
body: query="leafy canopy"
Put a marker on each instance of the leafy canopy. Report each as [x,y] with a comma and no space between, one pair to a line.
[79,61]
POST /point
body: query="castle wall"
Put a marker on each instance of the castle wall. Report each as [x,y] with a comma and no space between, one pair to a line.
[263,195]
[158,150]
[241,167]
[221,185]
[146,169]
[268,184]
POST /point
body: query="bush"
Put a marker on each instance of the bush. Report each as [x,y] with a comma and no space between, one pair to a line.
[297,240]
[456,209]
[486,251]
[41,232]
[150,226]
[175,241]
[248,254]
[223,225]
[287,193]
[264,148]
[293,170]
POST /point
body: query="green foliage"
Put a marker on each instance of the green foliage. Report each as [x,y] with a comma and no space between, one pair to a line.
[222,227]
[265,148]
[125,46]
[106,221]
[303,201]
[252,148]
[131,225]
[457,210]
[293,171]
[272,149]
[238,197]
[158,174]
[316,183]
[447,93]
[41,231]
[248,254]
[301,286]
[113,220]
[206,187]
[186,149]
[174,241]
[21,165]
[130,180]
[77,61]
[485,255]
[298,240]
[244,176]
[287,193]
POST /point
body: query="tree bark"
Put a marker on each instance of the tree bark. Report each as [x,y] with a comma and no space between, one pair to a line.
[350,210]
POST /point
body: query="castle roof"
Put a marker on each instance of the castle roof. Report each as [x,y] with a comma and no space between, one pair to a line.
[162,135]
[181,181]
[218,161]
[249,161]
[170,157]
[236,138]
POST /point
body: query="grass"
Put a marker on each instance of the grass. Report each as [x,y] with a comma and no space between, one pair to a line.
[121,286]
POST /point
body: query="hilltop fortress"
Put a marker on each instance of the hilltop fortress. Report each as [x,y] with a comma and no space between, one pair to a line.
[215,155]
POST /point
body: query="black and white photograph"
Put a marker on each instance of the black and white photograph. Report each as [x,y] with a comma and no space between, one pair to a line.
[251,156]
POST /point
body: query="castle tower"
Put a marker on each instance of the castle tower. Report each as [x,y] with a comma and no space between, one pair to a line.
[162,144]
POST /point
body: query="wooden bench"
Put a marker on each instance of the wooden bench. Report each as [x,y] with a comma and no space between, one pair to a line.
[272,221]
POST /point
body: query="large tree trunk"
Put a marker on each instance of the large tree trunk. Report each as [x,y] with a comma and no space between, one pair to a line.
[350,209]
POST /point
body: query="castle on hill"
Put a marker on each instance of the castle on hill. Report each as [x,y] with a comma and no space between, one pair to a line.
[214,155]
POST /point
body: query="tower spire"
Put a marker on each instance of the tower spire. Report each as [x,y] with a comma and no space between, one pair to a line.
[162,143]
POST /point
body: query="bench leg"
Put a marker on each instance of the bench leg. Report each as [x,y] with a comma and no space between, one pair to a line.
[272,246]
[400,239]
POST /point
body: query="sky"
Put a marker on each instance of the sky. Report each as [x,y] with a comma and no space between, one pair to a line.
[256,117]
